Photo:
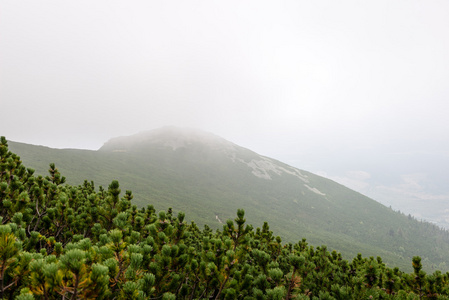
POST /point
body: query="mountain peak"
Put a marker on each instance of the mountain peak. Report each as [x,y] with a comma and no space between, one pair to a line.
[167,137]
[203,144]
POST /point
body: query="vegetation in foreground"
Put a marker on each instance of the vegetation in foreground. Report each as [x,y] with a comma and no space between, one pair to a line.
[209,182]
[59,241]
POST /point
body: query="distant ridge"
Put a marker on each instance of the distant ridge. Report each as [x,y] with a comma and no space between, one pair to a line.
[209,178]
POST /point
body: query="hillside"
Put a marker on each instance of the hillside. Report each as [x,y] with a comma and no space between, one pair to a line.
[78,242]
[209,178]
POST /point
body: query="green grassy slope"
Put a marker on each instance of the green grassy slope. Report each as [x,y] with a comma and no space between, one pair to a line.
[212,180]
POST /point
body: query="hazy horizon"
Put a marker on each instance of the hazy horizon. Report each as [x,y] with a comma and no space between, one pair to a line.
[353,91]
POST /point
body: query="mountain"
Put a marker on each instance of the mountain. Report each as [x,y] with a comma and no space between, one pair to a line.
[209,178]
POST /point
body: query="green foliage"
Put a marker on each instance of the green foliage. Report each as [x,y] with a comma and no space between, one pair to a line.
[210,184]
[63,241]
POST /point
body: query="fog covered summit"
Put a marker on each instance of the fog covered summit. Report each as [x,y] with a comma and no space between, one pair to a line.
[168,136]
[194,140]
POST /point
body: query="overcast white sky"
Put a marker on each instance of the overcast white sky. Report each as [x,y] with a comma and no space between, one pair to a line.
[328,86]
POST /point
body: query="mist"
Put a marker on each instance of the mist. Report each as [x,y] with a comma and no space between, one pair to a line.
[353,91]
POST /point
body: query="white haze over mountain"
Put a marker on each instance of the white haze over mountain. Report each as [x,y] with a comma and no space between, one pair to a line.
[356,91]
